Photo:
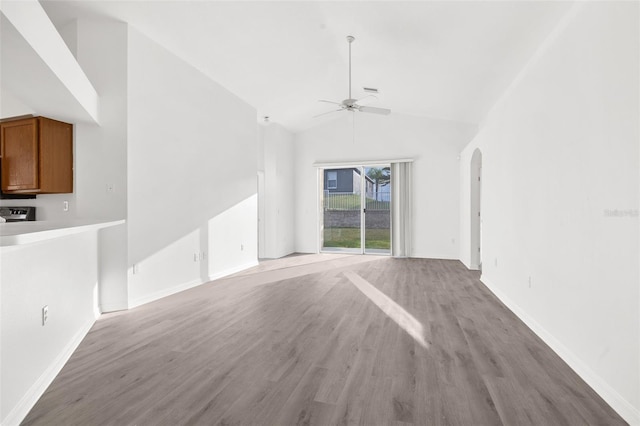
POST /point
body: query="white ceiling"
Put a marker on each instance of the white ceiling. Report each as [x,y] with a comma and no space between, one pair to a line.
[441,59]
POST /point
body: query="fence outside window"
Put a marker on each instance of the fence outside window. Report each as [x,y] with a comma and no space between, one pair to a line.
[349,201]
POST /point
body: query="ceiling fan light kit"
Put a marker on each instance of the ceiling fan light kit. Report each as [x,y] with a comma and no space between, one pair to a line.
[351,104]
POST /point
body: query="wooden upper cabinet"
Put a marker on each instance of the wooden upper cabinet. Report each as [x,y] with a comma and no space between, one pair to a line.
[37,156]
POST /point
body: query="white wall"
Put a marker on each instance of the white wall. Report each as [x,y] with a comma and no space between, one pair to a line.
[12,106]
[101,151]
[192,167]
[66,280]
[277,164]
[434,144]
[558,152]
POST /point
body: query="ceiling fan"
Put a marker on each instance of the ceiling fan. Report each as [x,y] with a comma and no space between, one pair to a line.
[351,104]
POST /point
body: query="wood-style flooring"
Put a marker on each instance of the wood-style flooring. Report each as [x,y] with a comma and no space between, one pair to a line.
[321,339]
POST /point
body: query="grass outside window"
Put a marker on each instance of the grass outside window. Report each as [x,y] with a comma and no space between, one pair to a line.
[350,238]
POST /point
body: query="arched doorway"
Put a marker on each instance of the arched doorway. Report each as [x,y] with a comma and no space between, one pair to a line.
[476,216]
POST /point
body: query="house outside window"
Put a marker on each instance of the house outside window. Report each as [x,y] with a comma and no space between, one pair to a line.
[332,180]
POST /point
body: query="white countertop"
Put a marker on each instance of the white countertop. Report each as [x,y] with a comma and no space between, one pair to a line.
[17,233]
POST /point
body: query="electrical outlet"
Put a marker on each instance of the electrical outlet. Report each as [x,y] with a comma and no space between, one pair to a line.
[241,247]
[135,268]
[195,257]
[65,206]
[45,314]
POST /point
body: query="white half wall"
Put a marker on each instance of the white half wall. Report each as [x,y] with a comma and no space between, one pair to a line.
[66,280]
[192,175]
[433,144]
[560,198]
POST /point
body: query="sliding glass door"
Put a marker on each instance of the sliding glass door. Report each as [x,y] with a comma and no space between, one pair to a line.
[356,214]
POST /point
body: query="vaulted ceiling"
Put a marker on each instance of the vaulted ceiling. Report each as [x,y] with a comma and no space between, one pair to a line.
[441,59]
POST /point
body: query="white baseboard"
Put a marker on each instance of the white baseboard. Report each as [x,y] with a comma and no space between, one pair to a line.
[114,306]
[279,255]
[29,399]
[164,293]
[234,270]
[623,407]
[190,284]
[432,256]
[466,265]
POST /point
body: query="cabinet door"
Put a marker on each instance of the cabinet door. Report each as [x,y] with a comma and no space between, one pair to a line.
[56,156]
[19,140]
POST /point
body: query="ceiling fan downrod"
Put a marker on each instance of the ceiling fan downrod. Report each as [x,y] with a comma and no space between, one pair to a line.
[350,39]
[351,104]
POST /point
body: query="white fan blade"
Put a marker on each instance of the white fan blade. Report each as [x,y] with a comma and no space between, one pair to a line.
[375,110]
[330,102]
[325,113]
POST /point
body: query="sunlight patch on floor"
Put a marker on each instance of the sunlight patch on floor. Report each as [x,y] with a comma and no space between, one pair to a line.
[397,313]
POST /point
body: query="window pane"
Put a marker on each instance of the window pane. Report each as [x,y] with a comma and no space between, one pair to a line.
[332,180]
[342,211]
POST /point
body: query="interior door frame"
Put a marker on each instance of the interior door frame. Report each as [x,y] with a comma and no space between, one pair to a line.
[475,210]
[262,234]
